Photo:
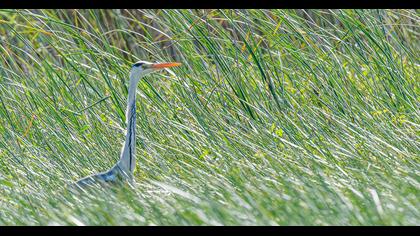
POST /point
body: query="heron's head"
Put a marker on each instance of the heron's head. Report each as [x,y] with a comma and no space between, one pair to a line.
[142,68]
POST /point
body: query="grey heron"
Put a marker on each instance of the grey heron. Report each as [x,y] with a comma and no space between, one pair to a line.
[124,168]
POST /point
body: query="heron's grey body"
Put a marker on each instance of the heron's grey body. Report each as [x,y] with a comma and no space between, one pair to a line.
[110,176]
[124,168]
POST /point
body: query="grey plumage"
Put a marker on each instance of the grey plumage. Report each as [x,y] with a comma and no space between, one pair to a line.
[124,168]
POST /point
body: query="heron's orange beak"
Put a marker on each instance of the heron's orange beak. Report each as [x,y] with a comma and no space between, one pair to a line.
[164,65]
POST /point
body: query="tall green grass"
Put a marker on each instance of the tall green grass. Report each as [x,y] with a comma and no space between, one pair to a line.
[277,117]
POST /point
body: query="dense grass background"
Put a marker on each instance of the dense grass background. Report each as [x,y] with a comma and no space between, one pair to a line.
[276,117]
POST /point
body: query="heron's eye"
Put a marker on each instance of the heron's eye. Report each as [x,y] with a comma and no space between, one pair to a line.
[138,64]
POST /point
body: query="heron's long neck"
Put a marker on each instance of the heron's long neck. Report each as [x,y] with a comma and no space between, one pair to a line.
[127,160]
